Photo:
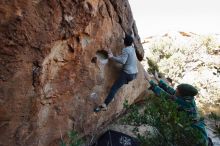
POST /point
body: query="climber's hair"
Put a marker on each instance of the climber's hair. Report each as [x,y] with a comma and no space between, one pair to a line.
[128,40]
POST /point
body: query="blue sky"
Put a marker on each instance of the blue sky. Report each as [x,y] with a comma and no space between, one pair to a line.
[160,16]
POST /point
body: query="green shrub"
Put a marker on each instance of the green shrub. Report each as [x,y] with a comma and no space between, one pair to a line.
[211,44]
[216,118]
[152,66]
[171,127]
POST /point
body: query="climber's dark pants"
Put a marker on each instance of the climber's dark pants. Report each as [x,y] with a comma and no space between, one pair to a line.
[124,78]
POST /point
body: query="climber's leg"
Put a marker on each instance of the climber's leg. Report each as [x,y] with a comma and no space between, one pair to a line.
[124,78]
[116,86]
[118,83]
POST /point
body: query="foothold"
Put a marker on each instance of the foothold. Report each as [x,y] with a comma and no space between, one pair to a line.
[68,18]
[93,95]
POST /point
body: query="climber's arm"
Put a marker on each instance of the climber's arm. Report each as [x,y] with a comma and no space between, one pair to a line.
[121,58]
[159,91]
[162,84]
[166,87]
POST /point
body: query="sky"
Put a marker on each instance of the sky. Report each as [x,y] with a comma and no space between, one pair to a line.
[160,16]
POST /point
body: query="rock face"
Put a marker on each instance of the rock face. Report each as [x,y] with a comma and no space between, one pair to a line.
[53,67]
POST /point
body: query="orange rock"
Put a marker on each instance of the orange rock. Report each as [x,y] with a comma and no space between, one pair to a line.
[49,67]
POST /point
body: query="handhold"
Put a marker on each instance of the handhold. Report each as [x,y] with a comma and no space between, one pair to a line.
[102,56]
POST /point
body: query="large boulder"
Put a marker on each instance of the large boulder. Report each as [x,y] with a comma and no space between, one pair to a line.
[54,70]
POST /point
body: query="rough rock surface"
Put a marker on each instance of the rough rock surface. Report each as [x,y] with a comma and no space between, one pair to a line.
[52,72]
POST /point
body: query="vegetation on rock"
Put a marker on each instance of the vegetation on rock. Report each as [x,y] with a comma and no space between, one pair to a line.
[170,126]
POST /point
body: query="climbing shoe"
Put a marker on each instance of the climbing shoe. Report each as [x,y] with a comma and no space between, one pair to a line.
[102,107]
[97,109]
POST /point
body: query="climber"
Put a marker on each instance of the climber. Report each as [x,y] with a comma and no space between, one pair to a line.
[129,70]
[184,97]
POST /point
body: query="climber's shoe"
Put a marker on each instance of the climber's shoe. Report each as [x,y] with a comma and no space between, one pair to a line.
[102,107]
[97,109]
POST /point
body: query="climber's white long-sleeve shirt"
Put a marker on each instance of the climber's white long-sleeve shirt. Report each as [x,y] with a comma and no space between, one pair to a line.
[129,60]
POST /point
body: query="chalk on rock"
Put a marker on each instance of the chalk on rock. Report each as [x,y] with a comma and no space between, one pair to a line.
[93,95]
